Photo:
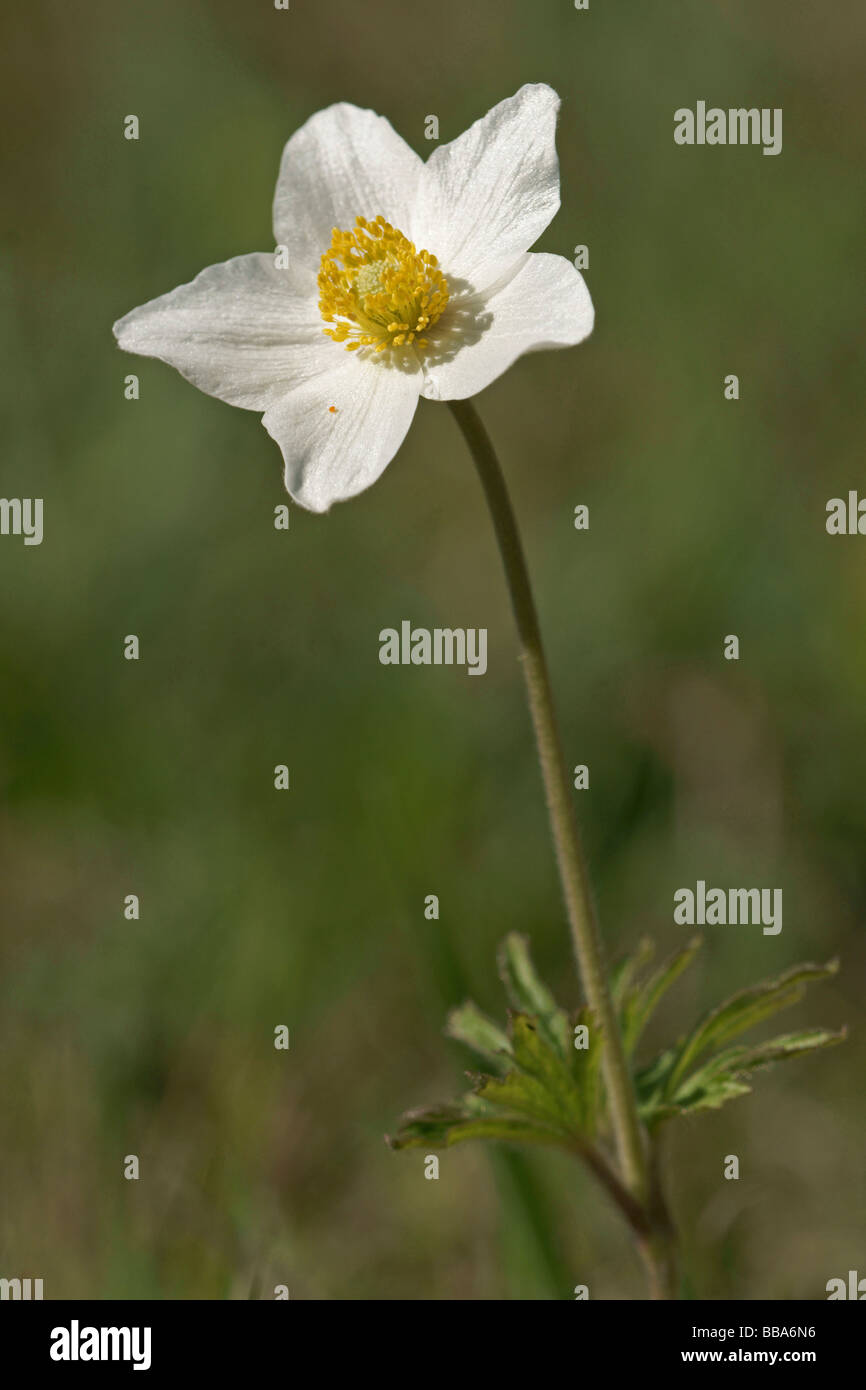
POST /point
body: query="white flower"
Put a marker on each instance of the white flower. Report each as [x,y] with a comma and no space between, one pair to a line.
[404,279]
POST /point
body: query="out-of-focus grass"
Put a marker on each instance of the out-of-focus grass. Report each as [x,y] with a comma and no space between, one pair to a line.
[259,647]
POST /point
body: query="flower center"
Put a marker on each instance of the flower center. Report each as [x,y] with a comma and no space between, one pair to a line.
[377,290]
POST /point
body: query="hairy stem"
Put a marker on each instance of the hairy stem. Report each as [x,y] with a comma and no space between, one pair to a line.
[628,1131]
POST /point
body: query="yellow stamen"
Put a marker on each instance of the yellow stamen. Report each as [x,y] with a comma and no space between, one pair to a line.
[377,290]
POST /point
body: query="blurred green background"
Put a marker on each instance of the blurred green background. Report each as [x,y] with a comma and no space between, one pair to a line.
[260,647]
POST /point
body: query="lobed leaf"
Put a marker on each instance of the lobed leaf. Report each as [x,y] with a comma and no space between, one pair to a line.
[712,1096]
[641,1001]
[541,1085]
[442,1127]
[547,1091]
[625,971]
[528,993]
[737,1062]
[650,1084]
[742,1011]
[469,1025]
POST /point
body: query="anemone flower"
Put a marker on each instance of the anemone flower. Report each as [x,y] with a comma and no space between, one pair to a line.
[392,279]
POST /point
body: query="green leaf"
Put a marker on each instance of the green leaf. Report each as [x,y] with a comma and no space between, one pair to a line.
[542,1085]
[523,1096]
[737,1062]
[649,1084]
[790,1045]
[547,1091]
[712,1096]
[625,971]
[640,1001]
[529,994]
[742,1011]
[440,1127]
[467,1024]
[540,1100]
[722,1078]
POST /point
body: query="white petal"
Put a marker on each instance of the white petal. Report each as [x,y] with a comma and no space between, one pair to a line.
[486,197]
[545,305]
[344,163]
[334,454]
[240,331]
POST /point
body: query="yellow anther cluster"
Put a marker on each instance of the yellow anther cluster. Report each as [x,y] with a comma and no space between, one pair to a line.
[377,290]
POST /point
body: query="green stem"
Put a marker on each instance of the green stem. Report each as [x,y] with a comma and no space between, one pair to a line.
[658,1245]
[627,1128]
